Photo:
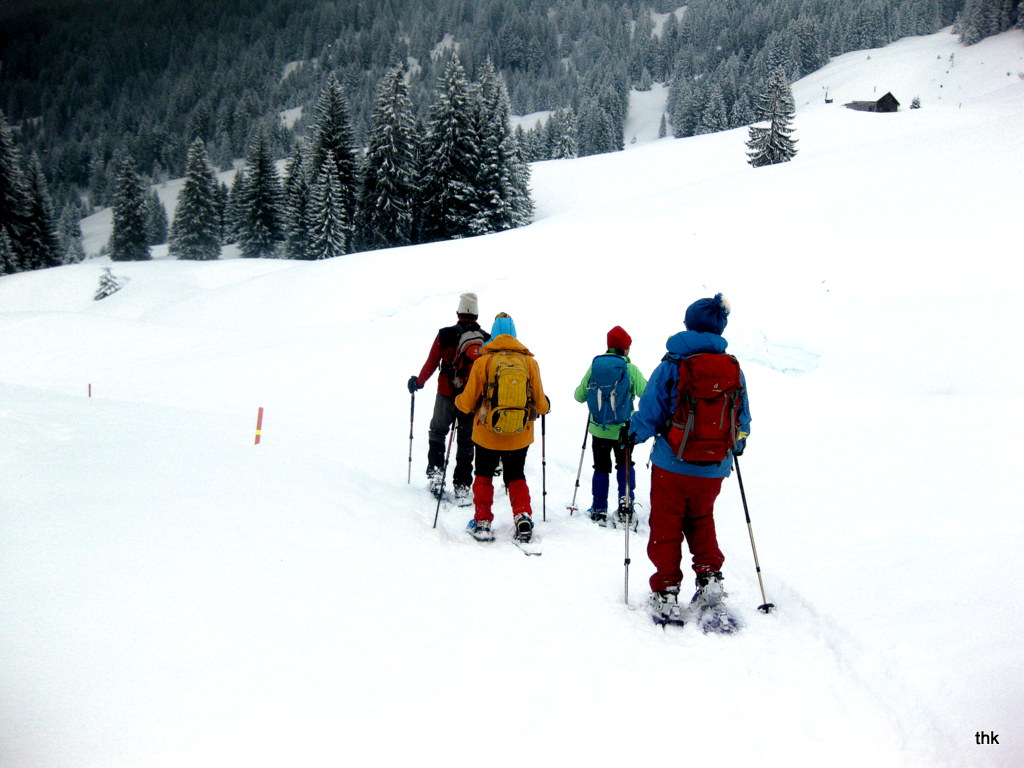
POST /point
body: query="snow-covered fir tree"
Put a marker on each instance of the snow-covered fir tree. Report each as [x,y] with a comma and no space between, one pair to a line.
[223,196]
[448,191]
[983,18]
[329,227]
[385,211]
[503,175]
[8,259]
[108,285]
[232,215]
[156,219]
[69,228]
[14,199]
[128,240]
[333,136]
[195,231]
[713,118]
[260,223]
[40,239]
[773,143]
[295,208]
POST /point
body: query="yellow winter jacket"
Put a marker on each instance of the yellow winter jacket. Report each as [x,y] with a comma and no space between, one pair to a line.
[472,397]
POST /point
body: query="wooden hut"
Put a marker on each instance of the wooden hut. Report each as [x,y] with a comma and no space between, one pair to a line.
[887,103]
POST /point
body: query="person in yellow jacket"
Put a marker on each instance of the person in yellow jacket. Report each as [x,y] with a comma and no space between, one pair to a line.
[503,426]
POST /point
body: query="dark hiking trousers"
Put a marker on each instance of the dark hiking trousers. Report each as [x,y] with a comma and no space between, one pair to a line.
[445,413]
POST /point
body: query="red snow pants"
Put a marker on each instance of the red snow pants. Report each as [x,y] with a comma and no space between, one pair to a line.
[682,508]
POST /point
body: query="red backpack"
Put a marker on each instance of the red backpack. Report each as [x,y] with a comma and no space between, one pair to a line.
[704,424]
[460,347]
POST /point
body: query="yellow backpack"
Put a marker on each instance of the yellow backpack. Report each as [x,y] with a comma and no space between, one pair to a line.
[508,395]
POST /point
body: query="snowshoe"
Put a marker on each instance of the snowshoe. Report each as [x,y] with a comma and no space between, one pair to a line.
[435,482]
[665,609]
[480,530]
[523,527]
[712,615]
[463,495]
[599,516]
[625,515]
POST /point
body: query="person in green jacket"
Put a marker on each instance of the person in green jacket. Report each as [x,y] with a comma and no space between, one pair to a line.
[605,436]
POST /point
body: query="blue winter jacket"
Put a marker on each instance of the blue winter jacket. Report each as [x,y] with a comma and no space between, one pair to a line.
[658,403]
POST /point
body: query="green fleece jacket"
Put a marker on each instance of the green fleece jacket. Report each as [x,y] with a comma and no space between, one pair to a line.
[639,384]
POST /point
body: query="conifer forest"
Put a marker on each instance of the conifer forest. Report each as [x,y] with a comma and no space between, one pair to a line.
[364,124]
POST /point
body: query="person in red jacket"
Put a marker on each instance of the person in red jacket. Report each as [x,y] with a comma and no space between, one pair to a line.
[453,352]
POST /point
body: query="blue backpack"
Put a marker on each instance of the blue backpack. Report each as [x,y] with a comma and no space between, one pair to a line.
[609,395]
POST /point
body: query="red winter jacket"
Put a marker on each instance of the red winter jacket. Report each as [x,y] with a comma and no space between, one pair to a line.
[442,353]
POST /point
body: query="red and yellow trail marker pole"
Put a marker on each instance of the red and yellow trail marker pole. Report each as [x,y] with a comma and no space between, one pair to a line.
[259,425]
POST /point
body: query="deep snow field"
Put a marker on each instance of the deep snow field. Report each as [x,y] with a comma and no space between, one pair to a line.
[172,595]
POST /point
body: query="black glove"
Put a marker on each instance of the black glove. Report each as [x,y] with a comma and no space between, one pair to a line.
[626,438]
[414,385]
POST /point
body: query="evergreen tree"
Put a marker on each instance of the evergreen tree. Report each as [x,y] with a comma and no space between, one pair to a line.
[260,222]
[774,143]
[565,146]
[70,229]
[233,211]
[14,198]
[296,204]
[329,229]
[108,285]
[223,227]
[502,176]
[983,18]
[40,240]
[195,232]
[333,136]
[156,219]
[8,259]
[128,235]
[451,162]
[389,180]
[713,119]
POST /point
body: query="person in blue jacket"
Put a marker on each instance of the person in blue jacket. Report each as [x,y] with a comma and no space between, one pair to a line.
[683,493]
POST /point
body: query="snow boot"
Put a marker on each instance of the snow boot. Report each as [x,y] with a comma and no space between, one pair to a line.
[463,496]
[435,481]
[664,606]
[710,591]
[524,527]
[712,614]
[480,530]
[599,516]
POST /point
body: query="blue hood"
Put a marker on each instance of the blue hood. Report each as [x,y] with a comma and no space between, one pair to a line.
[503,325]
[687,343]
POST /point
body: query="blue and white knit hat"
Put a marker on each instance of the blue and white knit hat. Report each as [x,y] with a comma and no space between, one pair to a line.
[708,315]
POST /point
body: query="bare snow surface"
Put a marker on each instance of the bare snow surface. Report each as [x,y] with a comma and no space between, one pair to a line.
[174,596]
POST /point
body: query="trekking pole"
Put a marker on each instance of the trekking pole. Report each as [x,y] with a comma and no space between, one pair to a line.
[629,522]
[444,472]
[579,470]
[412,414]
[544,467]
[765,607]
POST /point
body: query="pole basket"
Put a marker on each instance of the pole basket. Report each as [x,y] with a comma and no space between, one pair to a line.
[766,608]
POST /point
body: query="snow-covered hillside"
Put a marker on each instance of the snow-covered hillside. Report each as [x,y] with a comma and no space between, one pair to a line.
[173,595]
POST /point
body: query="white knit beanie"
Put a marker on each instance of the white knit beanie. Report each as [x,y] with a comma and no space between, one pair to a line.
[468,305]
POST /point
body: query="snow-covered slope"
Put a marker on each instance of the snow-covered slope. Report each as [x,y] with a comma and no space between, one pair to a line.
[173,595]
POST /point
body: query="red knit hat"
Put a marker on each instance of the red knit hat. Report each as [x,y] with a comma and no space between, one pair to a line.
[619,339]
